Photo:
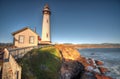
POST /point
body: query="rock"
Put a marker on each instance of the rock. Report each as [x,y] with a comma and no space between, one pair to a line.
[75,66]
[92,62]
[92,53]
[97,70]
[98,76]
[88,75]
[103,70]
[98,62]
[71,70]
[89,68]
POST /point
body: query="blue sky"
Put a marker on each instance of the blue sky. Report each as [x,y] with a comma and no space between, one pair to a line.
[72,21]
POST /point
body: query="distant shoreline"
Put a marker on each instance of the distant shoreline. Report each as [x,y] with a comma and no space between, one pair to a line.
[93,46]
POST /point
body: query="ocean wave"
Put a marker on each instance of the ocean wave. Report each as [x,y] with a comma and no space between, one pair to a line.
[110,57]
[114,71]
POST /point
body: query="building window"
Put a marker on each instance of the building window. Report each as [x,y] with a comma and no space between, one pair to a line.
[17,75]
[21,39]
[31,39]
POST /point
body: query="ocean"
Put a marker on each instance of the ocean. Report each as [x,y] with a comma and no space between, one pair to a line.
[110,57]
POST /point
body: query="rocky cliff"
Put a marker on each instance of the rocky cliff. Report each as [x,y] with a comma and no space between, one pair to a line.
[74,66]
[60,62]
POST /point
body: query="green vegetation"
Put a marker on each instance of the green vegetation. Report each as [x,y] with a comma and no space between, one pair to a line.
[42,63]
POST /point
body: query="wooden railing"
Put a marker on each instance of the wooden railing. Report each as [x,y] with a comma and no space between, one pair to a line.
[20,52]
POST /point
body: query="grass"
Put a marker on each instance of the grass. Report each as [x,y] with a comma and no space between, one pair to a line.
[43,63]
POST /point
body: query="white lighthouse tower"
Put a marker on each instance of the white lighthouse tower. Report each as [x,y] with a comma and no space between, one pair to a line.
[46,39]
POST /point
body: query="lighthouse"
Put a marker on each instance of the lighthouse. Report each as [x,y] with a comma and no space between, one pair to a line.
[46,37]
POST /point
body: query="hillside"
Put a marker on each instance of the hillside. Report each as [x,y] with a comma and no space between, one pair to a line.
[42,63]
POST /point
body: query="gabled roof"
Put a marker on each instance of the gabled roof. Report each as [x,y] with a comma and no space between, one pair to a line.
[23,30]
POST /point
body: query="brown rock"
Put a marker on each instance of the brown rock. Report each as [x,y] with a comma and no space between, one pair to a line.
[98,76]
[71,70]
[99,62]
[103,70]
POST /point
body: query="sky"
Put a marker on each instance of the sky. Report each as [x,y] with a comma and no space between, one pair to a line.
[72,21]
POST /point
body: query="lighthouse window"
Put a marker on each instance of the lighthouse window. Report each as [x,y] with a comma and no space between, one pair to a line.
[31,39]
[47,20]
[47,35]
[21,39]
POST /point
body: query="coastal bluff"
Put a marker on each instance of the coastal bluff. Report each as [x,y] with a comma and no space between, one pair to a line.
[75,66]
[60,62]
